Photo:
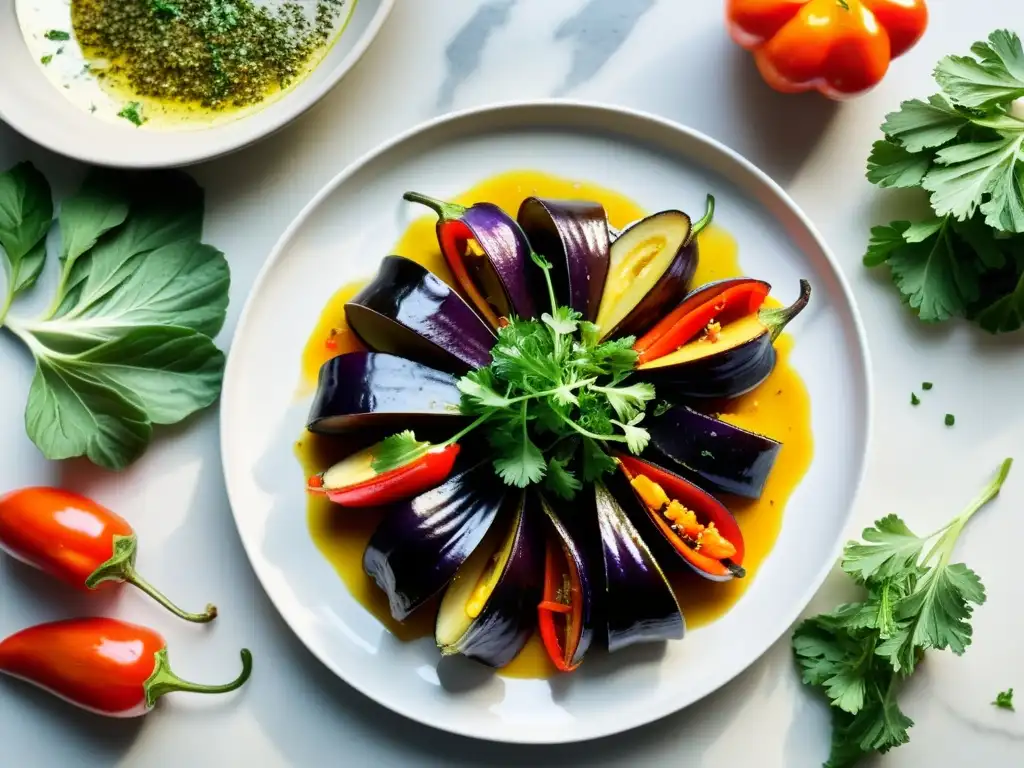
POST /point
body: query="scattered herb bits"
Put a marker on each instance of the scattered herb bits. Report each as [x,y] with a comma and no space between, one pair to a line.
[1004,700]
[132,112]
[56,34]
[950,420]
[927,385]
[914,399]
[46,59]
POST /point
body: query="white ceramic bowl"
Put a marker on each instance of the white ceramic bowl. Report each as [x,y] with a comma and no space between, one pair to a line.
[341,236]
[34,107]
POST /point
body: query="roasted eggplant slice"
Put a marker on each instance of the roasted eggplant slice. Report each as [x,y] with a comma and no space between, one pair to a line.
[573,235]
[566,612]
[725,360]
[489,610]
[374,391]
[487,253]
[696,526]
[408,312]
[639,604]
[652,263]
[421,543]
[716,455]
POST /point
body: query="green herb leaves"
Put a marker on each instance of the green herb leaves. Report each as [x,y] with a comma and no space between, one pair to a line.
[916,600]
[1004,700]
[554,396]
[397,451]
[965,148]
[126,343]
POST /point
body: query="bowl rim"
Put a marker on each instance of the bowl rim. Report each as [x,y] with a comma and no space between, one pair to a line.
[299,100]
[524,736]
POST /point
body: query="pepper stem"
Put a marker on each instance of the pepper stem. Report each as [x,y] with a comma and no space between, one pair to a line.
[445,211]
[736,570]
[706,219]
[775,319]
[121,568]
[164,681]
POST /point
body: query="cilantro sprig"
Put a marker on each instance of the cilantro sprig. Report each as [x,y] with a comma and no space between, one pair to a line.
[964,149]
[915,600]
[555,397]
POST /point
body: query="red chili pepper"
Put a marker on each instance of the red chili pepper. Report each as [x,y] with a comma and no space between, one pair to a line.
[404,482]
[560,624]
[78,541]
[106,666]
[682,325]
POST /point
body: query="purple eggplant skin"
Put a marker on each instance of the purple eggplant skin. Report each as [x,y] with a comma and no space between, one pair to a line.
[421,542]
[409,312]
[361,391]
[576,551]
[713,454]
[574,237]
[671,288]
[503,242]
[730,373]
[639,604]
[509,618]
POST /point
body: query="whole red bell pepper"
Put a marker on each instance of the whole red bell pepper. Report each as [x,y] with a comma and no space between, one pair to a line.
[841,48]
[78,541]
[106,666]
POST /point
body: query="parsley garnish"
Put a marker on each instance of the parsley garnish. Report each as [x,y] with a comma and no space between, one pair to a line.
[927,385]
[915,600]
[44,60]
[397,450]
[56,34]
[554,397]
[132,112]
[950,420]
[964,148]
[1004,700]
[914,399]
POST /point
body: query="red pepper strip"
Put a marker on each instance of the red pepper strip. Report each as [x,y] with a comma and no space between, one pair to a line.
[453,236]
[76,540]
[680,326]
[427,472]
[106,666]
[550,607]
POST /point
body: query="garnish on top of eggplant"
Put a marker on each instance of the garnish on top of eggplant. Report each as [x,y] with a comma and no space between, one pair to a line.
[562,392]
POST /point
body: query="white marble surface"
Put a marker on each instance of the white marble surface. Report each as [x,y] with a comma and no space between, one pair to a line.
[669,57]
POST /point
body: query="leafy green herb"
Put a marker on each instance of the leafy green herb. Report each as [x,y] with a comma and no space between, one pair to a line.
[552,382]
[132,112]
[950,419]
[126,342]
[965,149]
[397,451]
[56,34]
[44,60]
[927,385]
[914,399]
[1004,700]
[915,600]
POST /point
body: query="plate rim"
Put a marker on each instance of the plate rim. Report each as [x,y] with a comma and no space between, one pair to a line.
[21,122]
[616,111]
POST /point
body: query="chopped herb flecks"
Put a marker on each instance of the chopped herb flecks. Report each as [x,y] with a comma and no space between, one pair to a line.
[1004,700]
[132,112]
[950,419]
[927,385]
[707,454]
[914,399]
[46,59]
[57,34]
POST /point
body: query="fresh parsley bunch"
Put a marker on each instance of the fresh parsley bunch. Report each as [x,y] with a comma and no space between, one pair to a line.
[915,600]
[126,342]
[965,148]
[555,396]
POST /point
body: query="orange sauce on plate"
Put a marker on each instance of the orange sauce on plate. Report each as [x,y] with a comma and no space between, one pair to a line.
[779,409]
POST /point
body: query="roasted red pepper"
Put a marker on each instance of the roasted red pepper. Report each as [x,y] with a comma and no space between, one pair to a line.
[560,613]
[103,665]
[76,540]
[353,482]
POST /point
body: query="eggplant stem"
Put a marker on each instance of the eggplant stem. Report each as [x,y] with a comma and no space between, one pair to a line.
[445,211]
[706,219]
[776,319]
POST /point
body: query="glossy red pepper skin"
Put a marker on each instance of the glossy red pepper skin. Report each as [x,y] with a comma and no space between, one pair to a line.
[414,478]
[77,541]
[106,666]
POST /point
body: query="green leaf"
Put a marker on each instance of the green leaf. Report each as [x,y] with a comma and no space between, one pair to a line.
[522,464]
[30,268]
[981,240]
[878,727]
[565,320]
[561,481]
[884,241]
[478,386]
[939,609]
[1004,699]
[998,78]
[397,451]
[98,208]
[933,280]
[627,402]
[890,165]
[966,173]
[637,437]
[891,548]
[920,125]
[71,414]
[26,211]
[1005,314]
[596,462]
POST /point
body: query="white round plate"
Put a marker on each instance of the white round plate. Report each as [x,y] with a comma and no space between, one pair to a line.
[341,236]
[36,108]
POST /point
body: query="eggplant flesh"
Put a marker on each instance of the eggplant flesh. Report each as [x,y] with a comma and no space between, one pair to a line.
[715,455]
[422,542]
[639,604]
[375,391]
[574,634]
[489,610]
[574,237]
[499,271]
[651,265]
[409,312]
